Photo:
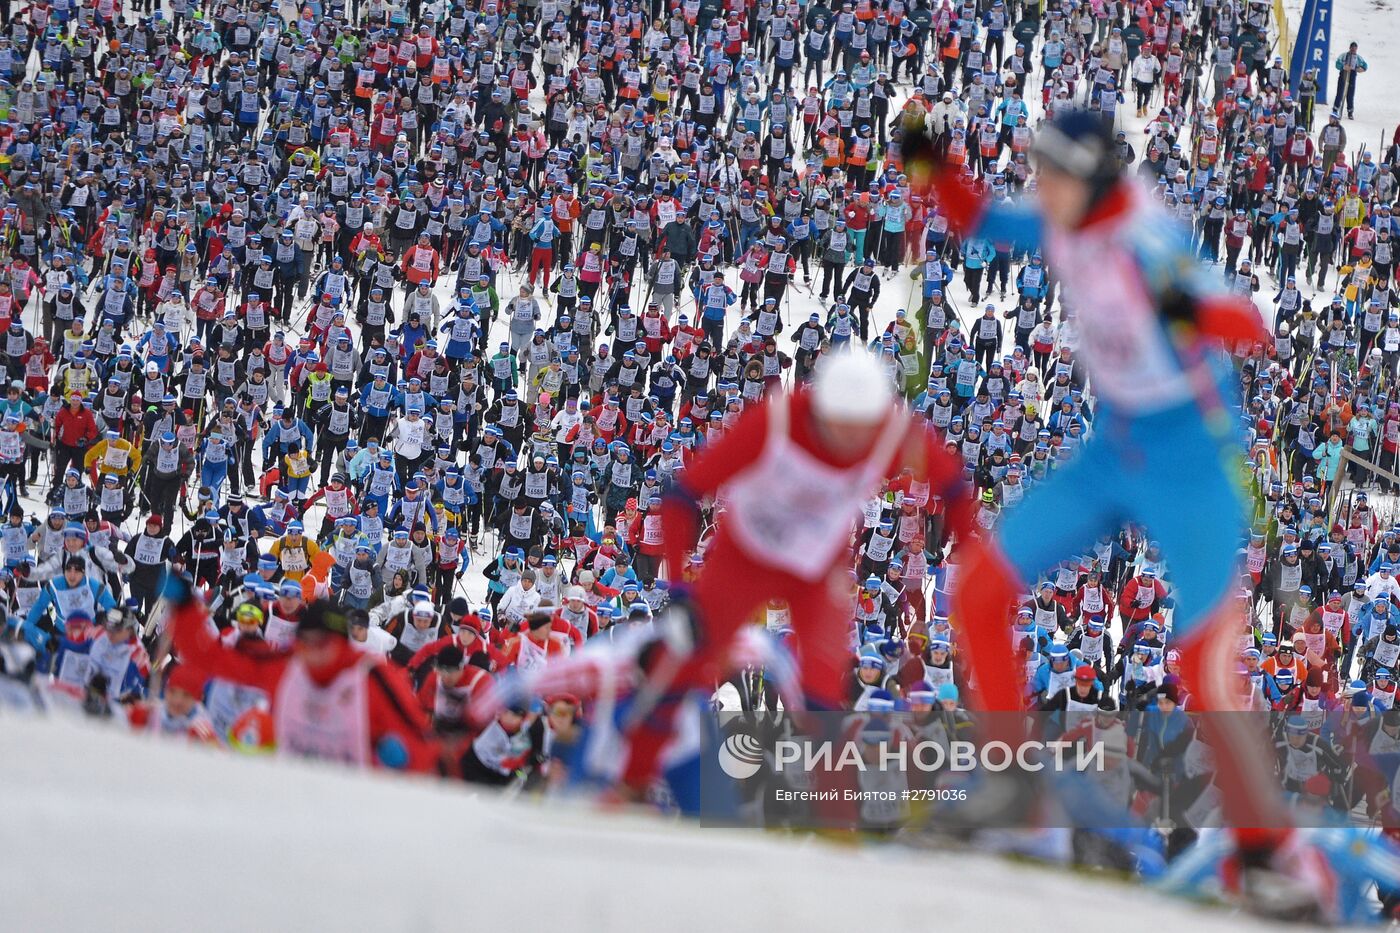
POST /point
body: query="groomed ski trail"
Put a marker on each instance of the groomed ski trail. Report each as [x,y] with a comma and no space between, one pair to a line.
[126,833]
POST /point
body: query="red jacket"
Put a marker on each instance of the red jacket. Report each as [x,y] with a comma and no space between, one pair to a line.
[555,645]
[655,322]
[1135,594]
[1099,595]
[71,428]
[564,627]
[393,710]
[473,684]
[421,264]
[743,444]
[857,215]
[430,651]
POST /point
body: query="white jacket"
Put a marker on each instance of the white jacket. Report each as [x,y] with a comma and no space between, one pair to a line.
[1378,586]
[944,115]
[518,602]
[1145,68]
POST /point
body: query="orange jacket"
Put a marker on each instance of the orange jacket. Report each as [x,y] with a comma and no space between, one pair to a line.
[421,264]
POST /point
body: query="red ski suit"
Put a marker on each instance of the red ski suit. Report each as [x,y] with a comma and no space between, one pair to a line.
[790,507]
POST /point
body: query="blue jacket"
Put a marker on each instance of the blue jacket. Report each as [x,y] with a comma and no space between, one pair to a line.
[57,594]
[977,253]
[1329,457]
[380,406]
[280,435]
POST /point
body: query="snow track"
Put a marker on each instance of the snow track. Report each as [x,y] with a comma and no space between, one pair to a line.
[102,830]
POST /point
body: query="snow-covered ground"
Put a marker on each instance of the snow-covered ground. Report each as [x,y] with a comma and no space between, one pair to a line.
[1375,26]
[107,831]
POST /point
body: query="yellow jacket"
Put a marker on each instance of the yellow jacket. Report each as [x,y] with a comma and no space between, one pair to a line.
[294,559]
[117,457]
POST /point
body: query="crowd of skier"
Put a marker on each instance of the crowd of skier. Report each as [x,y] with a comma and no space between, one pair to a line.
[385,330]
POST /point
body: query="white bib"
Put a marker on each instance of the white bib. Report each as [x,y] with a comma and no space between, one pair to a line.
[791,510]
[329,723]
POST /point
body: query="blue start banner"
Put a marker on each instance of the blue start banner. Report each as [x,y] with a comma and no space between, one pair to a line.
[1311,49]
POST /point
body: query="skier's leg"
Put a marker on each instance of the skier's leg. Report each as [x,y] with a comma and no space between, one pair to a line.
[820,623]
[725,596]
[1058,518]
[1186,464]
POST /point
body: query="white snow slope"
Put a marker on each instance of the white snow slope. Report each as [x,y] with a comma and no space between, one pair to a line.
[102,830]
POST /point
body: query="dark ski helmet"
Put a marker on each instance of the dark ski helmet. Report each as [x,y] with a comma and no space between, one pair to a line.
[1080,144]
